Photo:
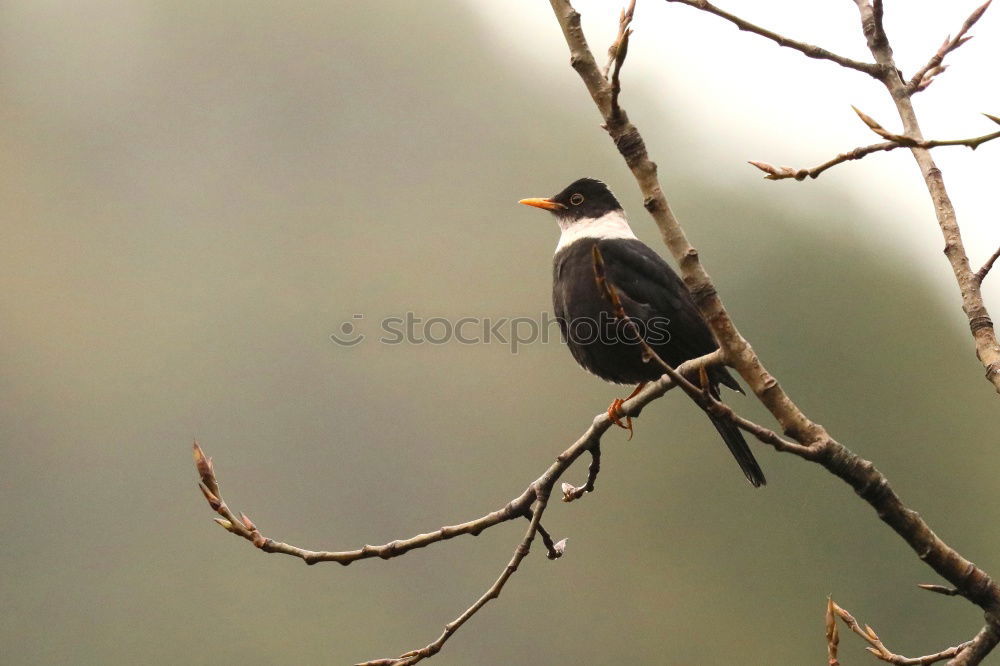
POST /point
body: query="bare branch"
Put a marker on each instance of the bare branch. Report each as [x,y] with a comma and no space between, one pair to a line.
[925,75]
[981,645]
[877,648]
[493,592]
[571,492]
[530,503]
[243,528]
[899,141]
[980,323]
[984,271]
[879,27]
[808,50]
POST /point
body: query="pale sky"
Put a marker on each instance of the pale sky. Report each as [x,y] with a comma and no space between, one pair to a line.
[795,111]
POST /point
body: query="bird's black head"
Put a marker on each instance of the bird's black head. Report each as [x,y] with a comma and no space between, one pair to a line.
[586,198]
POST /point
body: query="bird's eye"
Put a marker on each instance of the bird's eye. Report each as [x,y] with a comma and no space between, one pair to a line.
[576,199]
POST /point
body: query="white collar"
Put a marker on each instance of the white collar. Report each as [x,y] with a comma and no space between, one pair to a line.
[611,225]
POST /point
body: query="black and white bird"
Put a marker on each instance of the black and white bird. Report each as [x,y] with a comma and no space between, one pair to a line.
[655,299]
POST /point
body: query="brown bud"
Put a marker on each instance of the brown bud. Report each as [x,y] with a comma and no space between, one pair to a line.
[866,119]
[213,501]
[832,637]
[203,463]
[874,126]
[764,166]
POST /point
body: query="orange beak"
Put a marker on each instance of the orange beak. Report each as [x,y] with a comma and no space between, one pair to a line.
[547,204]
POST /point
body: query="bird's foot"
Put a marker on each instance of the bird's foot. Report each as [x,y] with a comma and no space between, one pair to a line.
[615,410]
[615,414]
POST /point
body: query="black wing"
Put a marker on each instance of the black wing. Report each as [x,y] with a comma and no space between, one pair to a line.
[641,276]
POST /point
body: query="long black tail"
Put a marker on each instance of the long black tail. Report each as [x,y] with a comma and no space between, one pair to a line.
[738,447]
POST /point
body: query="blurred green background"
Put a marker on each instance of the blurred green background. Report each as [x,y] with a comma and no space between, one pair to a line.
[196,195]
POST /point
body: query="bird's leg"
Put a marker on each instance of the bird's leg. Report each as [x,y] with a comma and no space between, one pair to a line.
[614,411]
[703,379]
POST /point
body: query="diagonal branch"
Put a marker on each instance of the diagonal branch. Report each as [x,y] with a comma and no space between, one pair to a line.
[925,75]
[983,643]
[870,484]
[493,592]
[980,323]
[984,271]
[808,50]
[701,396]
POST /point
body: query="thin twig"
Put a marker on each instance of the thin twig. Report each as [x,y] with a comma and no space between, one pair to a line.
[493,592]
[555,548]
[520,506]
[925,75]
[885,70]
[571,492]
[809,50]
[623,23]
[940,589]
[783,172]
[531,502]
[984,271]
[877,648]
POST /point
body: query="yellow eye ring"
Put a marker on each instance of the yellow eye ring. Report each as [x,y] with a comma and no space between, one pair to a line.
[576,199]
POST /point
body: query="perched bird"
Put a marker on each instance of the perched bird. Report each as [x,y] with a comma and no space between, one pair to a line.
[655,299]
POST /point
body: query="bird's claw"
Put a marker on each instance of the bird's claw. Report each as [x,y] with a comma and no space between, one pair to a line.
[615,414]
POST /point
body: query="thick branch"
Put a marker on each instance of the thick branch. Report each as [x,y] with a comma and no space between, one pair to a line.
[805,49]
[701,396]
